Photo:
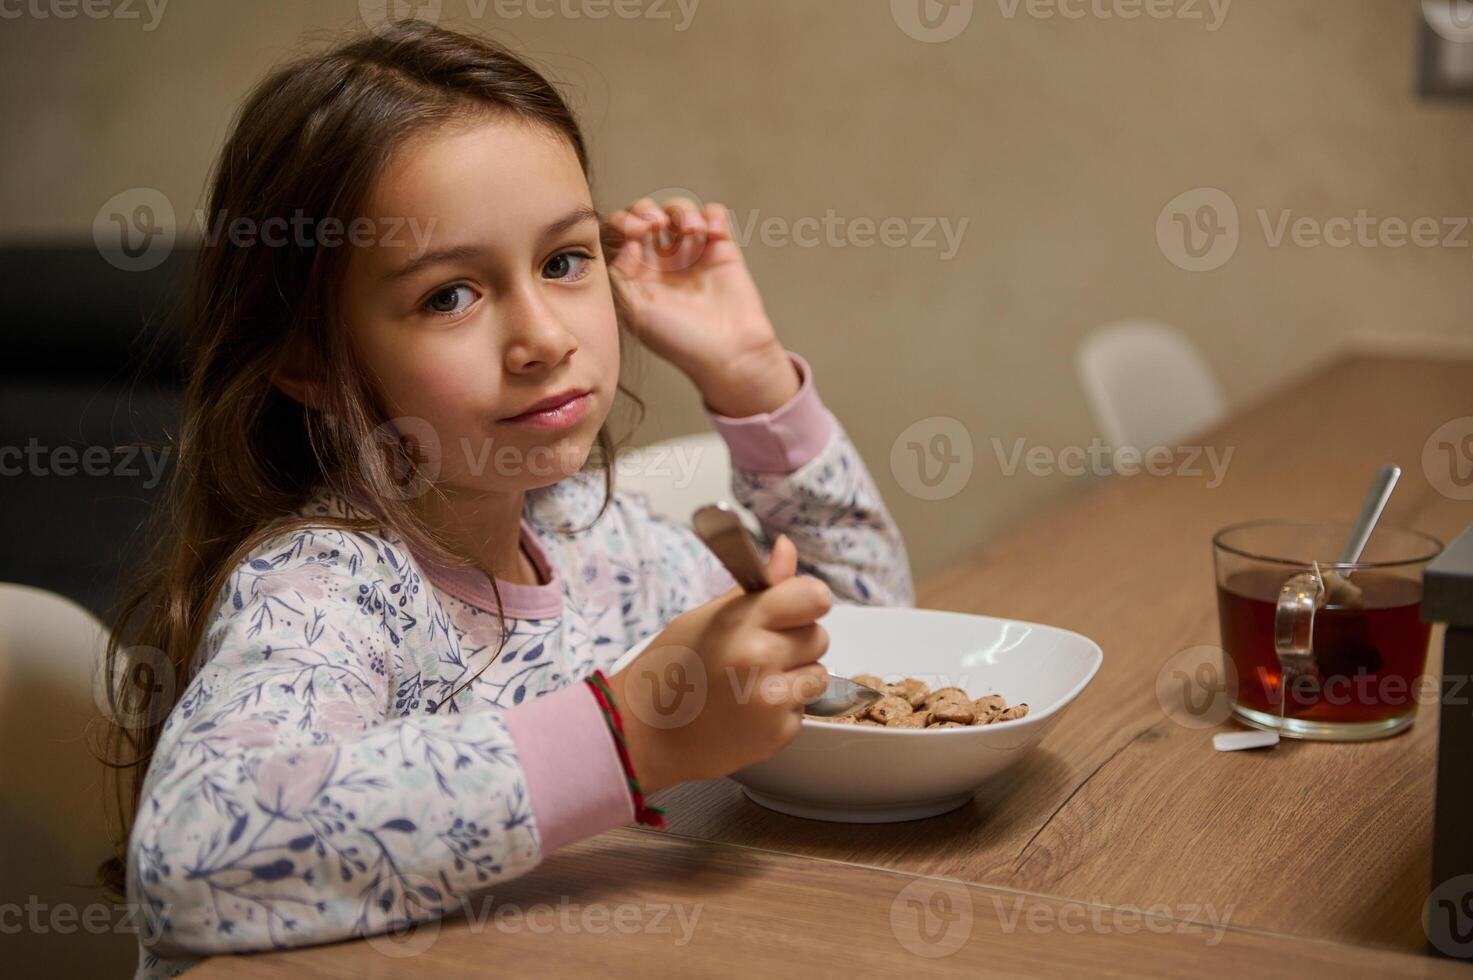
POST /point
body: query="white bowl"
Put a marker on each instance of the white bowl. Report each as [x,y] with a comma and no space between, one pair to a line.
[862,774]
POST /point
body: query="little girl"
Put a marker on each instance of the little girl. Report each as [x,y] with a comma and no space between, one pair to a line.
[390,585]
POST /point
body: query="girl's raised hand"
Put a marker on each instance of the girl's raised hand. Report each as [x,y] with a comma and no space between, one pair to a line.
[692,301]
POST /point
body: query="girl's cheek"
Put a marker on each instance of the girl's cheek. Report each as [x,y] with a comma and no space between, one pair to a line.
[446,377]
[601,338]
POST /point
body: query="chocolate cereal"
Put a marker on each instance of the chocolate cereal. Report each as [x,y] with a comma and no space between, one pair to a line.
[910,703]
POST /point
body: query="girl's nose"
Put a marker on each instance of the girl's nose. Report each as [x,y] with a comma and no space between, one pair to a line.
[537,337]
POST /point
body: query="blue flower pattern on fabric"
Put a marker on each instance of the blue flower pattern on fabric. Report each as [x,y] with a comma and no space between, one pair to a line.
[304,788]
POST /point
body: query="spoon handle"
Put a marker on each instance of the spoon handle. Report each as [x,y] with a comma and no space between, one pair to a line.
[1370,512]
[726,536]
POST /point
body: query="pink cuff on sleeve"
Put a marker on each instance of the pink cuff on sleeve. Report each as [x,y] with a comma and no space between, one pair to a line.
[571,766]
[784,439]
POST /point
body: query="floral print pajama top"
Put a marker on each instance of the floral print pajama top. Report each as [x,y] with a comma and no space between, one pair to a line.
[305,789]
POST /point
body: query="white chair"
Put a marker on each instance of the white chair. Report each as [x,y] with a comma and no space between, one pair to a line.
[676,476]
[1147,385]
[52,810]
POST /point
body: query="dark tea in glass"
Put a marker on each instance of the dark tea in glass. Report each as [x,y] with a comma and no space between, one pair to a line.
[1369,644]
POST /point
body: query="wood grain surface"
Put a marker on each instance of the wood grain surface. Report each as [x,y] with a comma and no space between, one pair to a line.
[1124,806]
[757,914]
[1113,850]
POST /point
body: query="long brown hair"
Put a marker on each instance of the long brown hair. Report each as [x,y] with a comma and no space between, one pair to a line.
[311,139]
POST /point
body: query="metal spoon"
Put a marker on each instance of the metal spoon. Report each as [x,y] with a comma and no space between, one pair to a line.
[1305,593]
[723,532]
[1370,512]
[1308,591]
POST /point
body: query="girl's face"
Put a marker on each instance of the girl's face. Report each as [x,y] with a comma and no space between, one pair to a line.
[483,293]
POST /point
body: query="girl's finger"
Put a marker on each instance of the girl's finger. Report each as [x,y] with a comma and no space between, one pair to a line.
[782,561]
[718,222]
[800,601]
[687,239]
[799,647]
[647,208]
[809,682]
[629,224]
[645,226]
[651,223]
[624,245]
[686,216]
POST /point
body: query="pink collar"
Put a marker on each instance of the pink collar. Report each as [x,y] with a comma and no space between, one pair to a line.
[473,586]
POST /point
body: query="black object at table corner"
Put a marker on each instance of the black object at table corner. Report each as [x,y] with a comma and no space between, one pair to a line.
[1447,597]
[92,358]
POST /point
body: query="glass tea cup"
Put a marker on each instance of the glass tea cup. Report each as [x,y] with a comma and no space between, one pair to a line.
[1321,649]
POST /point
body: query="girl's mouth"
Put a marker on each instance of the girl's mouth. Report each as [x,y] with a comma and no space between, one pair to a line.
[560,416]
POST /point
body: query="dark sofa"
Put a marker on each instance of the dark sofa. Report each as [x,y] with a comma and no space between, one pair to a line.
[91,368]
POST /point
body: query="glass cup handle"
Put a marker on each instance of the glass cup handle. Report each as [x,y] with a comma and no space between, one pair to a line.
[1299,597]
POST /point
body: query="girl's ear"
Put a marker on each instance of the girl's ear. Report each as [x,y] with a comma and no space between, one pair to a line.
[296,382]
[297,387]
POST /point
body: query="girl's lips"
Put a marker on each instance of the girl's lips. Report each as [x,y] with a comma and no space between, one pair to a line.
[567,414]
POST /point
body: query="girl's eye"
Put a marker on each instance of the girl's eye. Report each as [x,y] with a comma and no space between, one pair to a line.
[446,301]
[557,266]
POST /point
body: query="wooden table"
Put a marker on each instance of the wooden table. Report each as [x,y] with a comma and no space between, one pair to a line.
[761,914]
[1103,855]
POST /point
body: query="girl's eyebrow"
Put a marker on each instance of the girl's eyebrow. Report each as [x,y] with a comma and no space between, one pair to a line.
[452,253]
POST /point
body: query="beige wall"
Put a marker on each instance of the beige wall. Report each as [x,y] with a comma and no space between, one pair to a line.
[1059,140]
